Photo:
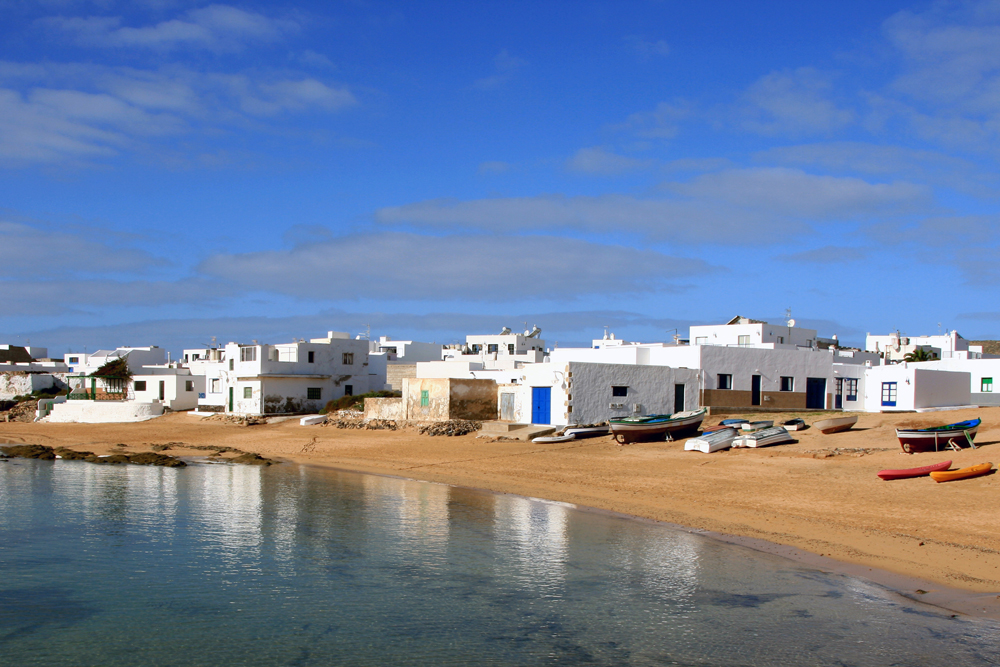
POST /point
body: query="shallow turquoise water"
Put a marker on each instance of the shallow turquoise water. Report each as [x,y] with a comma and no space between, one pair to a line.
[237,565]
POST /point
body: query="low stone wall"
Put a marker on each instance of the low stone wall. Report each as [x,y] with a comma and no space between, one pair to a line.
[103,412]
[384,408]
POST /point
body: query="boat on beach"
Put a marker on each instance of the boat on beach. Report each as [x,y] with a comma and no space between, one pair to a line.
[962,473]
[657,427]
[836,424]
[712,441]
[907,473]
[795,425]
[776,435]
[587,431]
[733,422]
[757,426]
[935,438]
[549,439]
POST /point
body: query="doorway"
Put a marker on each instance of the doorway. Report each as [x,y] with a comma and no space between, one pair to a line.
[678,398]
[507,406]
[754,390]
[816,393]
[541,405]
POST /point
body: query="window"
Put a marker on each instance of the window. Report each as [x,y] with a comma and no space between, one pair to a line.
[189,385]
[492,347]
[348,390]
[74,360]
[781,339]
[619,391]
[743,341]
[215,386]
[701,340]
[248,353]
[787,384]
[852,388]
[348,358]
[987,385]
[247,392]
[231,364]
[889,394]
[725,381]
[312,357]
[510,348]
[425,398]
[314,393]
[140,385]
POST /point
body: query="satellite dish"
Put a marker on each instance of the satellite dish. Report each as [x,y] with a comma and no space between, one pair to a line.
[791,323]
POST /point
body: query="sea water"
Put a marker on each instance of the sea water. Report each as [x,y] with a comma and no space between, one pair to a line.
[240,565]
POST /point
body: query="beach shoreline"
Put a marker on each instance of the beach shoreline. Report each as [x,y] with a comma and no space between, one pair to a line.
[816,502]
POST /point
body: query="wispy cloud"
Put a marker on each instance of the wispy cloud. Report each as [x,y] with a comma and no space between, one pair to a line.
[662,122]
[597,160]
[505,66]
[792,102]
[215,27]
[827,255]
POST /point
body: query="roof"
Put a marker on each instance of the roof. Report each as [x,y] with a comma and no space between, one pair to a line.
[739,319]
[13,354]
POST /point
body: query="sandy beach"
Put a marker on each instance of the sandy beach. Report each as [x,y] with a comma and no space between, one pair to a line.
[818,501]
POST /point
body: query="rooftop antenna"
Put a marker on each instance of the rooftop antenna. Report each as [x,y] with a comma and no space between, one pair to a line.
[939,327]
[367,333]
[606,327]
[677,334]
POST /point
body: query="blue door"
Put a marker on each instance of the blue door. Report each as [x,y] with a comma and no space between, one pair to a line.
[816,393]
[541,405]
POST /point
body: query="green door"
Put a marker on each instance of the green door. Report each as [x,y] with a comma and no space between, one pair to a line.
[230,399]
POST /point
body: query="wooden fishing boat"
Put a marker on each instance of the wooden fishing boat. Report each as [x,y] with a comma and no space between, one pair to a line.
[906,473]
[962,473]
[776,435]
[836,424]
[713,441]
[756,426]
[936,438]
[587,431]
[639,429]
[733,422]
[548,439]
[795,425]
[657,427]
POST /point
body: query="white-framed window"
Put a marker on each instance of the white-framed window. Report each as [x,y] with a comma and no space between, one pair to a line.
[188,385]
[787,383]
[216,386]
[743,341]
[492,347]
[725,381]
[248,353]
[701,340]
[348,358]
[247,392]
[140,385]
[986,386]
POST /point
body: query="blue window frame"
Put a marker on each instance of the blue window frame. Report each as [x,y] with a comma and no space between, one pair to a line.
[851,389]
[889,394]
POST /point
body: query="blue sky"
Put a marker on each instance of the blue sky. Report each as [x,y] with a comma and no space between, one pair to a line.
[172,171]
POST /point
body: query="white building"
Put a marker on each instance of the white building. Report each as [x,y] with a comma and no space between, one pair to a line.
[136,358]
[745,332]
[396,360]
[301,376]
[984,376]
[172,385]
[894,346]
[907,387]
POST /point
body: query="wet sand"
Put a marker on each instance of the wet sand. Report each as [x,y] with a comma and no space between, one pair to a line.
[806,501]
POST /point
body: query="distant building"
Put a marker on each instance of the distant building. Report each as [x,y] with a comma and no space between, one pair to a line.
[894,347]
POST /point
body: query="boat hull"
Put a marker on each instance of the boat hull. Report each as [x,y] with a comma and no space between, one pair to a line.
[962,473]
[914,441]
[836,425]
[673,428]
[776,435]
[713,441]
[907,473]
[588,432]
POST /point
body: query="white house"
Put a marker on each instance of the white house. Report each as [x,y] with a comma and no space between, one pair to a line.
[502,350]
[984,376]
[396,360]
[136,357]
[745,332]
[894,346]
[906,387]
[301,376]
[172,385]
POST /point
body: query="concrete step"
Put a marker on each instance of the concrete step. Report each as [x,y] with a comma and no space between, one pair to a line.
[514,431]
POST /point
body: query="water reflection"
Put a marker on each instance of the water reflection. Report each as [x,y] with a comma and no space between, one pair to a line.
[243,565]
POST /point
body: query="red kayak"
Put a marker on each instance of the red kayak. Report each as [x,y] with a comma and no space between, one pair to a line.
[914,472]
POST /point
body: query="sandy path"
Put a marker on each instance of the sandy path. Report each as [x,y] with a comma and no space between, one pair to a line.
[835,507]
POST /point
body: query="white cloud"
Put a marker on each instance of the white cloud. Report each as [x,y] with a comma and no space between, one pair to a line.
[792,102]
[75,112]
[728,207]
[215,27]
[506,66]
[597,160]
[66,253]
[662,122]
[827,255]
[484,268]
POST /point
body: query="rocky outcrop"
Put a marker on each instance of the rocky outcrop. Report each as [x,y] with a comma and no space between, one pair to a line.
[252,459]
[451,427]
[29,451]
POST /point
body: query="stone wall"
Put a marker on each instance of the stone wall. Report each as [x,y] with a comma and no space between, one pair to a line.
[473,399]
[395,373]
[103,412]
[17,383]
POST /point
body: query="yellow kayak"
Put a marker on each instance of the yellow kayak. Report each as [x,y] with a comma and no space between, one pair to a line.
[961,473]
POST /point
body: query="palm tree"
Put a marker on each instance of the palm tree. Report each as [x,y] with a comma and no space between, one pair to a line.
[920,354]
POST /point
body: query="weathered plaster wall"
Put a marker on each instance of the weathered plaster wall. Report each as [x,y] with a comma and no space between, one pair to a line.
[438,395]
[384,408]
[19,384]
[651,388]
[103,412]
[472,399]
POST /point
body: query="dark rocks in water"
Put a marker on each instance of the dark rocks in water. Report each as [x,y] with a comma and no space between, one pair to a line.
[252,459]
[29,451]
[154,459]
[72,455]
[113,459]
